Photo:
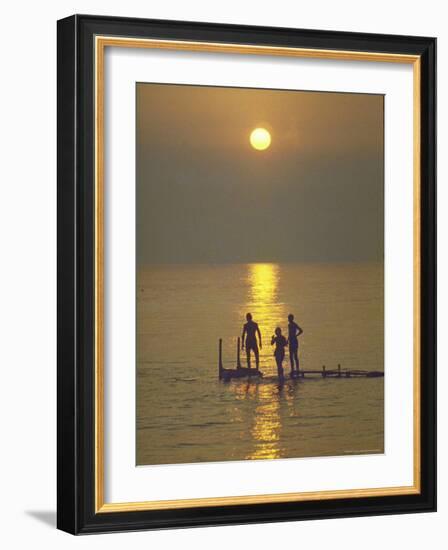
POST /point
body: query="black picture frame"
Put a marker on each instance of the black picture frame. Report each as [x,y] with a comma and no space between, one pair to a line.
[76,286]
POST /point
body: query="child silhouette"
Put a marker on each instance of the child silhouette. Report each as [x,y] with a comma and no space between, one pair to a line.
[279,353]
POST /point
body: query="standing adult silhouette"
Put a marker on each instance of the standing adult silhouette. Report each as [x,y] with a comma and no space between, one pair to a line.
[294,331]
[249,340]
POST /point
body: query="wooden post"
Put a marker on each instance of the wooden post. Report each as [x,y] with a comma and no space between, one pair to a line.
[238,357]
[339,371]
[324,374]
[220,368]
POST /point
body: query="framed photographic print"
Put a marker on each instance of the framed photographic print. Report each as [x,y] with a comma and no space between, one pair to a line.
[246,274]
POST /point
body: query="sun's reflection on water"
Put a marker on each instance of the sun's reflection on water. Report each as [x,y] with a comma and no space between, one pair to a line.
[266,428]
[263,279]
[263,301]
[268,311]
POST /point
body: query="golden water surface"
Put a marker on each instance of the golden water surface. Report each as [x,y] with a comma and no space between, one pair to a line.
[184,414]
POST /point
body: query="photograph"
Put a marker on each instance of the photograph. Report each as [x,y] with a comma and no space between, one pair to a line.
[259,274]
[246,274]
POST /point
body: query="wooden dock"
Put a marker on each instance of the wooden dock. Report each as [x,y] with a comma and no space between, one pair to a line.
[338,373]
[243,372]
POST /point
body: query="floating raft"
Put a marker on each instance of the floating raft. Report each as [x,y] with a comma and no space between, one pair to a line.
[243,372]
[239,372]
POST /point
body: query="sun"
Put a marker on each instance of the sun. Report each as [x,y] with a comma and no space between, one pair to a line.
[260,139]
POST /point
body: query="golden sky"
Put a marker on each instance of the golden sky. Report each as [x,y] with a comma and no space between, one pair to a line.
[205,195]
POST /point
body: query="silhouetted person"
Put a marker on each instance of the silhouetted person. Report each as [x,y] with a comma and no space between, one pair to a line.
[294,331]
[279,353]
[250,331]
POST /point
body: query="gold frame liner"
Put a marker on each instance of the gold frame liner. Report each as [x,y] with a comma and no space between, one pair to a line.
[101,42]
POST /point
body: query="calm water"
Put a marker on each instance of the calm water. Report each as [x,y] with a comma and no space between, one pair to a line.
[184,414]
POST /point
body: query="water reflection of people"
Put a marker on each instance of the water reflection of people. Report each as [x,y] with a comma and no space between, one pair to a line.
[249,340]
[294,331]
[279,353]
